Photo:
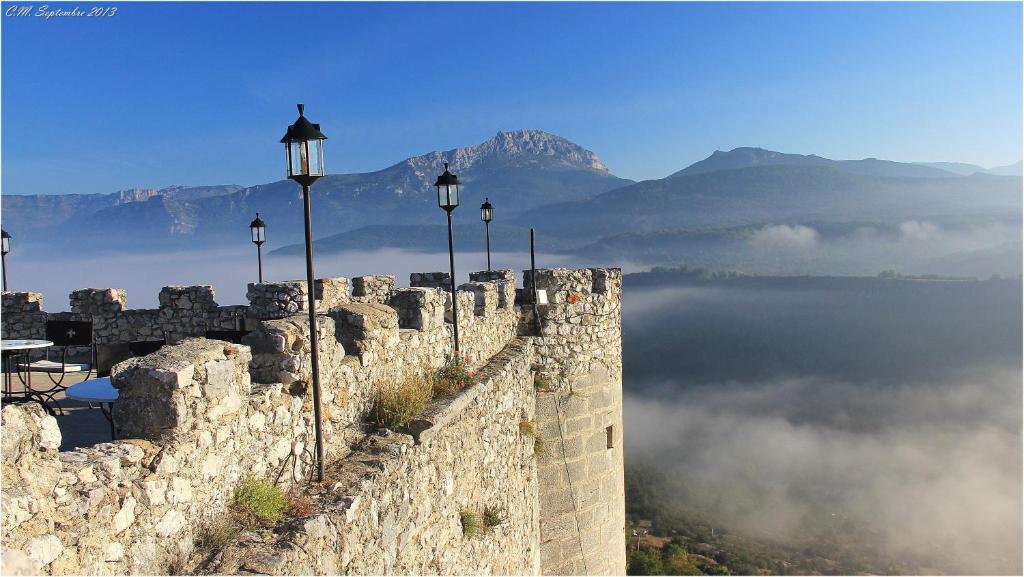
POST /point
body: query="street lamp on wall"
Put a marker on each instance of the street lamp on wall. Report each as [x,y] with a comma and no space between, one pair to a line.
[448,199]
[486,214]
[5,247]
[304,155]
[258,228]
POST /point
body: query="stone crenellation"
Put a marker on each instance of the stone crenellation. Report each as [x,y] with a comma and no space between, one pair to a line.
[372,289]
[199,415]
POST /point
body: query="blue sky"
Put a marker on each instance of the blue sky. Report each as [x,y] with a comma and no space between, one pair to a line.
[200,93]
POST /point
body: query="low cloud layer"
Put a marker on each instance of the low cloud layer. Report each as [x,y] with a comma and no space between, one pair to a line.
[889,415]
[937,471]
[785,236]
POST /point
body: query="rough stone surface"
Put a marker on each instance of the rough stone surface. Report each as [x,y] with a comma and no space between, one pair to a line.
[372,289]
[199,415]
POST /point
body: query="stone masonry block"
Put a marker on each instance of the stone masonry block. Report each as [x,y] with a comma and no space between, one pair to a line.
[418,307]
[485,296]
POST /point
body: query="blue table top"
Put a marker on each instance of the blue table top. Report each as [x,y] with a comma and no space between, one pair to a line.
[94,390]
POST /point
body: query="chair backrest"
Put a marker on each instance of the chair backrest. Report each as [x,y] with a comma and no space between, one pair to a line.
[229,336]
[143,348]
[69,333]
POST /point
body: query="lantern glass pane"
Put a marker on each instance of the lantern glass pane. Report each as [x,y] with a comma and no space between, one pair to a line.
[6,245]
[258,233]
[316,157]
[295,157]
[485,214]
[442,195]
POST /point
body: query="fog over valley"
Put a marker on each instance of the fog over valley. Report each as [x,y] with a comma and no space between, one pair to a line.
[859,424]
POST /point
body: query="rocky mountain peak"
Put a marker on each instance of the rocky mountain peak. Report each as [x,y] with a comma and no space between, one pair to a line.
[515,148]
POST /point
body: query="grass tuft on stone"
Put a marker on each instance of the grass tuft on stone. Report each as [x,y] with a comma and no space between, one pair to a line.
[218,534]
[395,404]
[527,428]
[540,383]
[472,523]
[453,377]
[258,501]
[493,516]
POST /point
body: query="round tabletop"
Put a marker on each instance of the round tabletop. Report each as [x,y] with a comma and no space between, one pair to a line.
[94,391]
[23,344]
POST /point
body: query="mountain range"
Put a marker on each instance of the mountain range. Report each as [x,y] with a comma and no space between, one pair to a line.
[536,179]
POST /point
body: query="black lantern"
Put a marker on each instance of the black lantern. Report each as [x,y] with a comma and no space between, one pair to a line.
[5,247]
[486,214]
[448,198]
[304,154]
[258,228]
[447,190]
[304,150]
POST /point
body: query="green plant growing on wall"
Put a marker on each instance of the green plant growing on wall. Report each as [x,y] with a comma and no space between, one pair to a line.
[528,429]
[472,523]
[218,533]
[395,404]
[259,502]
[493,516]
[453,377]
[540,383]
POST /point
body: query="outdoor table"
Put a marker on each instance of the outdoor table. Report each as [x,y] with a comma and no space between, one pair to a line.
[100,391]
[12,349]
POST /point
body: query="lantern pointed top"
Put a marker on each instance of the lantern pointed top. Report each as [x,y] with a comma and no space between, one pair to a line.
[258,222]
[447,178]
[303,129]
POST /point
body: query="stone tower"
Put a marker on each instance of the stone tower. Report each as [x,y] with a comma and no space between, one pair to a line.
[579,417]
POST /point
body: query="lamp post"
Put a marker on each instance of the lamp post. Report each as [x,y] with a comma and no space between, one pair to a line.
[304,152]
[5,247]
[448,199]
[258,228]
[486,214]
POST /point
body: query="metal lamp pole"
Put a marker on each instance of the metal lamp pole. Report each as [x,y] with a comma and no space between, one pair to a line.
[304,147]
[448,199]
[486,214]
[259,236]
[5,247]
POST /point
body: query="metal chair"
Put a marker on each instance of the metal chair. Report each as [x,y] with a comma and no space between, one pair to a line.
[64,335]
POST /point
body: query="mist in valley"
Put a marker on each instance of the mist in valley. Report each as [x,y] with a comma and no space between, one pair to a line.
[230,270]
[873,420]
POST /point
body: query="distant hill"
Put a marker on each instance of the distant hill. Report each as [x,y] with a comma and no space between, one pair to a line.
[747,157]
[774,193]
[964,169]
[517,170]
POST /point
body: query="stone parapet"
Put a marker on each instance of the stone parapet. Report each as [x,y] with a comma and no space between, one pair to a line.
[374,289]
[98,301]
[23,316]
[441,280]
[198,416]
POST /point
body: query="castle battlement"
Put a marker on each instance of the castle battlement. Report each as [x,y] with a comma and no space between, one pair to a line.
[200,415]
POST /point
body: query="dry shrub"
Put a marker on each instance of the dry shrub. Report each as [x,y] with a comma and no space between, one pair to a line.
[395,404]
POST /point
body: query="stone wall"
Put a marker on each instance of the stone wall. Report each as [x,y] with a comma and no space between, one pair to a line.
[395,502]
[199,415]
[372,289]
[23,315]
[579,414]
[196,426]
